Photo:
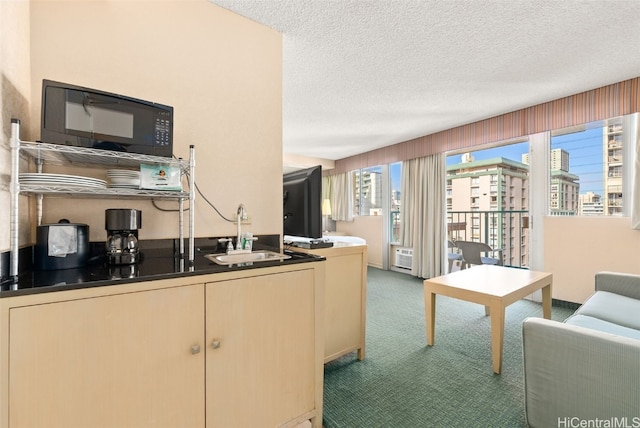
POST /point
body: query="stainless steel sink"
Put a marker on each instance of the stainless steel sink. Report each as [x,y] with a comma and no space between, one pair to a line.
[254,256]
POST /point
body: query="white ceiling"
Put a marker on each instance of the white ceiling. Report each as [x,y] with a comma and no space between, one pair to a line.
[363,74]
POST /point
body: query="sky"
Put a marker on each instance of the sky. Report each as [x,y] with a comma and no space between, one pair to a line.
[585,157]
[511,151]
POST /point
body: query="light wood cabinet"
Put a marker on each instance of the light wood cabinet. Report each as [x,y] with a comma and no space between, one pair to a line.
[113,361]
[345,299]
[260,334]
[240,349]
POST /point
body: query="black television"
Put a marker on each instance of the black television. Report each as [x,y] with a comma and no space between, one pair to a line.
[302,194]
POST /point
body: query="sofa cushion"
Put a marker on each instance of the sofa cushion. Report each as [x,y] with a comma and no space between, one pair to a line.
[604,326]
[613,308]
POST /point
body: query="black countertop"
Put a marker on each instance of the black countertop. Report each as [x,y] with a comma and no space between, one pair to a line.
[156,263]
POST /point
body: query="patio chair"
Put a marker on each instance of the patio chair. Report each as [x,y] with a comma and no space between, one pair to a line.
[472,254]
[452,256]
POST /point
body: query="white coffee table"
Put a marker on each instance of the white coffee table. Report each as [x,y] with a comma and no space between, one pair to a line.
[496,287]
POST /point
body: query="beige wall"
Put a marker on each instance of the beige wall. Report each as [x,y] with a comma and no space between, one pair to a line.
[575,248]
[222,74]
[370,229]
[15,95]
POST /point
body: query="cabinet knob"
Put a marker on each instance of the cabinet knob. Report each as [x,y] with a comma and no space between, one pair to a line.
[195,349]
[215,344]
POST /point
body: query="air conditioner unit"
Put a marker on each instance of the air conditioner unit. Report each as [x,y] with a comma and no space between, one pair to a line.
[404,258]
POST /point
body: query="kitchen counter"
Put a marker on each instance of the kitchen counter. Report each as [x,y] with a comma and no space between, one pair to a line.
[157,263]
[181,343]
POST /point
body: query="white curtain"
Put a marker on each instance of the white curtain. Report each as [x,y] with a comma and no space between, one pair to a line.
[422,214]
[341,196]
[633,127]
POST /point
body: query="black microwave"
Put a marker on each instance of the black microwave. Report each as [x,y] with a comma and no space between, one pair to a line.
[77,116]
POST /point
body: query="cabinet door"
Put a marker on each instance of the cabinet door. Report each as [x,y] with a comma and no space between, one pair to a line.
[344,306]
[261,350]
[117,361]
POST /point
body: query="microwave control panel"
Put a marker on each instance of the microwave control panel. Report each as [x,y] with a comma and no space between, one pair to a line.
[163,129]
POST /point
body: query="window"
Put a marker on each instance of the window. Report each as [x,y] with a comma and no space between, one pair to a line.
[488,198]
[395,174]
[377,190]
[368,191]
[586,170]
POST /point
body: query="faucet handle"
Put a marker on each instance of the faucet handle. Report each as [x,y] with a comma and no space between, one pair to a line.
[229,242]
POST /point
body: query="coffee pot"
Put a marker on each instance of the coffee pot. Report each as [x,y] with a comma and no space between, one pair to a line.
[122,236]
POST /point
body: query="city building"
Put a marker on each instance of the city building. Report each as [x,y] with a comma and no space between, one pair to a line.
[368,189]
[613,158]
[590,204]
[559,159]
[564,187]
[563,193]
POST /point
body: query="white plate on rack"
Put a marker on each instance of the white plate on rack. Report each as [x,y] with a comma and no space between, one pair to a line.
[61,180]
[128,181]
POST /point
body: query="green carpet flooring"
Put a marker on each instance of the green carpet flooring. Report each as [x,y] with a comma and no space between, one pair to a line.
[404,383]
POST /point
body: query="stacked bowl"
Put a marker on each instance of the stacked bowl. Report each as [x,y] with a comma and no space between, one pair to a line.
[123,179]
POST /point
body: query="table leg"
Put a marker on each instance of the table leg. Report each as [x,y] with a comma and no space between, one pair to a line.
[497,334]
[546,302]
[430,315]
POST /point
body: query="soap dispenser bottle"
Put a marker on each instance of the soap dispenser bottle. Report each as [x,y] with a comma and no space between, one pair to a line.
[247,241]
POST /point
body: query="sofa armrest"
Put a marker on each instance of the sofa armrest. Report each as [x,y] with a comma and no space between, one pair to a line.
[625,284]
[575,372]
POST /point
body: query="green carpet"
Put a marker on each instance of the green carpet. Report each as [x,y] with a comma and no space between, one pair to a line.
[404,383]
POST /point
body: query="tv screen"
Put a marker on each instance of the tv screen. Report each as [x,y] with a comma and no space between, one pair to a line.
[302,194]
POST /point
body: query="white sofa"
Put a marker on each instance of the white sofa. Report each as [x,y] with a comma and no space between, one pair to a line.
[586,368]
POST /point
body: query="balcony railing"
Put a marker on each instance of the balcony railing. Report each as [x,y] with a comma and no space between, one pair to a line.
[614,144]
[507,230]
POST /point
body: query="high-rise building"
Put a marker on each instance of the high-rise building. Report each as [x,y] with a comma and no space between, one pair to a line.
[559,160]
[563,193]
[368,187]
[564,187]
[612,143]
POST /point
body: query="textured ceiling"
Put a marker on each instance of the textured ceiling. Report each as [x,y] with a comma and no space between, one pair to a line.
[363,74]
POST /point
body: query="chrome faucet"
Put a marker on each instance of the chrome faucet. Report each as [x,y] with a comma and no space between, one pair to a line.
[241,241]
[241,215]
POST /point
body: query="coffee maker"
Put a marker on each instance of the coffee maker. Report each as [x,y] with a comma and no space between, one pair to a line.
[122,236]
